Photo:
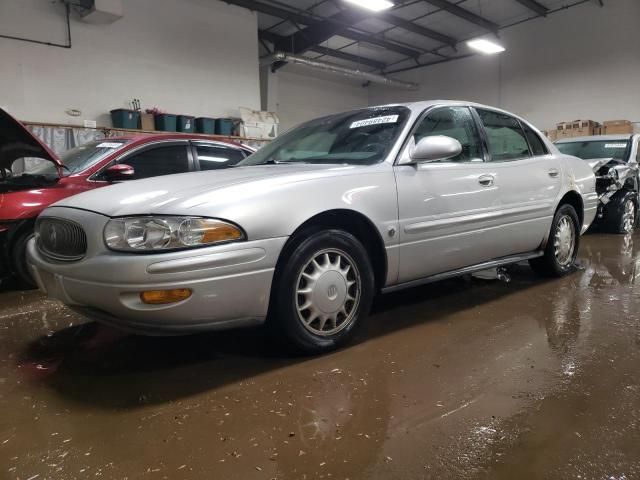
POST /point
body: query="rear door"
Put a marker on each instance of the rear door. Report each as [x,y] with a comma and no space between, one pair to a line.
[529,179]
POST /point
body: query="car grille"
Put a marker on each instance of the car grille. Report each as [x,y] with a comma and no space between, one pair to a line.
[60,239]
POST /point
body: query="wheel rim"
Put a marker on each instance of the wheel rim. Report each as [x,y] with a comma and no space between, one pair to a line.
[328,292]
[628,216]
[564,241]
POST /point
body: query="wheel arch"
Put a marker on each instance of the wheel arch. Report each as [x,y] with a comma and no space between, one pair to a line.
[574,199]
[353,222]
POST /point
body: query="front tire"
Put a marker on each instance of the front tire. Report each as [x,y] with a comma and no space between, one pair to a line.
[562,246]
[323,292]
[19,259]
[620,217]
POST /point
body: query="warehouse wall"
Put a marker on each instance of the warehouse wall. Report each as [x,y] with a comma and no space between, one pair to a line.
[304,94]
[190,56]
[578,63]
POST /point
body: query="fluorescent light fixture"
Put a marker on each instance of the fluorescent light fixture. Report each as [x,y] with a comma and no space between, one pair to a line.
[485,46]
[375,5]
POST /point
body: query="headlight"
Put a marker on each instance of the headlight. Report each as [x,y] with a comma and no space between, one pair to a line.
[143,234]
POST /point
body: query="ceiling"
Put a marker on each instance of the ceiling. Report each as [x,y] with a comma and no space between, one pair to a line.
[412,34]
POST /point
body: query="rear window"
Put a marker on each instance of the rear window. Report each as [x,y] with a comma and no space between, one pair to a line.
[592,149]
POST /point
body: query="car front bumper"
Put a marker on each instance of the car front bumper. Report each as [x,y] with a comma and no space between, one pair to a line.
[230,283]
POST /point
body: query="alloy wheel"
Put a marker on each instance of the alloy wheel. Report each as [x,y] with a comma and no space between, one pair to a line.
[628,216]
[328,292]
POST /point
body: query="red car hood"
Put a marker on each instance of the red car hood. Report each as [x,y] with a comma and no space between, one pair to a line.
[17,142]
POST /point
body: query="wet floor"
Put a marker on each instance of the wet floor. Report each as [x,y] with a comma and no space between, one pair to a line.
[464,379]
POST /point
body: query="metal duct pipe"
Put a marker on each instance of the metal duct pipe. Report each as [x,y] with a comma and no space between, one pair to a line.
[338,69]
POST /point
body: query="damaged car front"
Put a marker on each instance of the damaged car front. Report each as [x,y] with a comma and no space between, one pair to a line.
[614,160]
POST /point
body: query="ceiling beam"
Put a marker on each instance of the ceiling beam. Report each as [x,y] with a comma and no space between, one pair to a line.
[274,38]
[303,18]
[415,28]
[465,14]
[305,39]
[534,6]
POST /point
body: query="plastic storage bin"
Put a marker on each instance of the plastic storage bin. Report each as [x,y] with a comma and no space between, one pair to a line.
[166,122]
[185,123]
[206,125]
[224,126]
[123,118]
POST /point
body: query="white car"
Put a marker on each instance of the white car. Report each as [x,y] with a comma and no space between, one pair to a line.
[304,232]
[614,159]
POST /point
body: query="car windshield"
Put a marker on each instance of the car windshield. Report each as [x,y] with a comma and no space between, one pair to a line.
[75,160]
[359,137]
[592,149]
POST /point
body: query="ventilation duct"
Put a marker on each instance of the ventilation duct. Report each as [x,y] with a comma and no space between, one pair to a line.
[337,69]
[99,12]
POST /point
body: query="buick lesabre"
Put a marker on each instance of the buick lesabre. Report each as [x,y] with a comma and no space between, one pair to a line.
[303,233]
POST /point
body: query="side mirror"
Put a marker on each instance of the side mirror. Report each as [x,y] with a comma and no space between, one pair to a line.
[119,171]
[434,148]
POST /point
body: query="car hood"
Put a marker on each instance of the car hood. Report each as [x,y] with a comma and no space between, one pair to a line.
[17,142]
[597,163]
[179,194]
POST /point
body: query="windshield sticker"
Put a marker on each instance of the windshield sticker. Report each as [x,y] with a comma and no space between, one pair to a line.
[615,145]
[109,145]
[375,121]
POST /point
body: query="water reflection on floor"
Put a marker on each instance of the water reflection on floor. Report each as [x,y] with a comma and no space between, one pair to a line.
[463,379]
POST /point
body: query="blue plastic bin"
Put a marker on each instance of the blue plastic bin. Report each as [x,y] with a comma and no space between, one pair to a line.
[166,122]
[123,118]
[206,125]
[224,126]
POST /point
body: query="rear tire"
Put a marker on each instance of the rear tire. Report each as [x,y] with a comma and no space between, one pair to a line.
[562,246]
[19,259]
[620,215]
[322,293]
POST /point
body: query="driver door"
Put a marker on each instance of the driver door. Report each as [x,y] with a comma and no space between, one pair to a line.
[446,208]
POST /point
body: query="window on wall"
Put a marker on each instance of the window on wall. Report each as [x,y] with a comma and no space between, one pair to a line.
[535,142]
[507,140]
[454,122]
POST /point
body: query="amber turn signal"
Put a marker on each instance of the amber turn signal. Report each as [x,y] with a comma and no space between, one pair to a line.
[159,297]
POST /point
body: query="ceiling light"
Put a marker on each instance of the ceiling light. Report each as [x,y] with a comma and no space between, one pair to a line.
[375,5]
[485,46]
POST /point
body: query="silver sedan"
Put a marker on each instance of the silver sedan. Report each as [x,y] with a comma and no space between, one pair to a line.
[306,231]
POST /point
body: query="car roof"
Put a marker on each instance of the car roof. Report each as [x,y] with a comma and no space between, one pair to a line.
[147,137]
[596,138]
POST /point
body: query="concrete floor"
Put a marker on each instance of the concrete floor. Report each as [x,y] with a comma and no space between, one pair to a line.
[462,379]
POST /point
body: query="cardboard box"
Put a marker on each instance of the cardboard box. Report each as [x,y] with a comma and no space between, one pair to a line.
[147,122]
[581,128]
[614,127]
[552,135]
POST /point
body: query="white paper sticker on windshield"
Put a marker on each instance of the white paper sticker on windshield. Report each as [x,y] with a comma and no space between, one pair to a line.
[615,145]
[109,145]
[375,121]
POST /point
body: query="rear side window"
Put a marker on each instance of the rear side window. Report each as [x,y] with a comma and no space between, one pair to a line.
[536,144]
[212,157]
[507,140]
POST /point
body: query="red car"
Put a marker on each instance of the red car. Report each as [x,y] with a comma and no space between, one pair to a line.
[32,177]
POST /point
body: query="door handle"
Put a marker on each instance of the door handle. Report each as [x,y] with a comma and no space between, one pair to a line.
[486,180]
[554,172]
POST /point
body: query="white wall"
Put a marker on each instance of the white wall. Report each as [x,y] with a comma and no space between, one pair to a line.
[304,94]
[578,63]
[196,57]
